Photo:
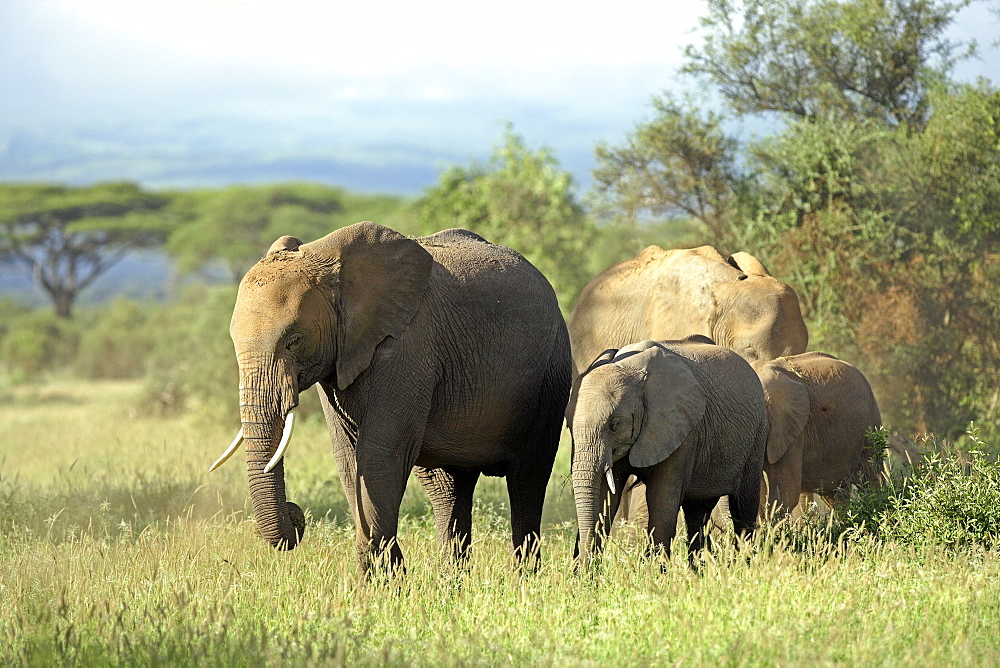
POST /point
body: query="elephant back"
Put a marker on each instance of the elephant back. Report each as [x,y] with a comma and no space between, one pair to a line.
[669,294]
[451,236]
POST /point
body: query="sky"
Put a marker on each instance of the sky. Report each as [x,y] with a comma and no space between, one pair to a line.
[370,95]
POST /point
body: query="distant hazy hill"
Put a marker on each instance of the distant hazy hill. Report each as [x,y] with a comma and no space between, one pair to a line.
[80,159]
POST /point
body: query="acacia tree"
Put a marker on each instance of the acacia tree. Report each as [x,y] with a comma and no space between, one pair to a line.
[66,237]
[521,199]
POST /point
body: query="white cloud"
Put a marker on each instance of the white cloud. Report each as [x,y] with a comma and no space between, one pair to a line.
[384,38]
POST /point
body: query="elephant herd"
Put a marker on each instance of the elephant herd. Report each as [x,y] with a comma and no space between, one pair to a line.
[682,376]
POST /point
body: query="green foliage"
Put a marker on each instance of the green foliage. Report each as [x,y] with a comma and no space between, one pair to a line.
[115,341]
[66,237]
[952,498]
[876,199]
[191,364]
[235,226]
[520,199]
[827,58]
[35,342]
[889,235]
[678,164]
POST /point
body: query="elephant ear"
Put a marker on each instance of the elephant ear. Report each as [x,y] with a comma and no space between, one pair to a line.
[380,278]
[674,403]
[604,358]
[285,243]
[787,402]
[748,264]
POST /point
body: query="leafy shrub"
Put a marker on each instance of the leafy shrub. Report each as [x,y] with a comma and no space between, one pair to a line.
[191,365]
[952,498]
[35,342]
[117,342]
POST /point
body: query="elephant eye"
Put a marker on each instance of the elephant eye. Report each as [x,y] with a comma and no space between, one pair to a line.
[293,341]
[615,423]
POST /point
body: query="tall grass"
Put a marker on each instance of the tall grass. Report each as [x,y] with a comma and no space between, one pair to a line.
[116,546]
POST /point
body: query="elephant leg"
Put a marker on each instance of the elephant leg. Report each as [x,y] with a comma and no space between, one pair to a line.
[382,483]
[696,514]
[623,514]
[450,491]
[663,500]
[633,502]
[744,503]
[385,461]
[526,491]
[344,454]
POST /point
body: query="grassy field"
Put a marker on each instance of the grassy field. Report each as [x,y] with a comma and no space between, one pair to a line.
[116,546]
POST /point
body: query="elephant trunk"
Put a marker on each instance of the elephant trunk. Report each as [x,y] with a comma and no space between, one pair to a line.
[589,492]
[262,411]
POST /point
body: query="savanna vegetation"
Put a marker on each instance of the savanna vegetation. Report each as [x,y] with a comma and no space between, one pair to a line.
[875,196]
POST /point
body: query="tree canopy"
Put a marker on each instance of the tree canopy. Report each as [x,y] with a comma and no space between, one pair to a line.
[678,164]
[66,237]
[825,58]
[521,199]
[235,225]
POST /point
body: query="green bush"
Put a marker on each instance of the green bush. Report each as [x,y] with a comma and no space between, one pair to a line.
[951,498]
[35,342]
[116,341]
[191,365]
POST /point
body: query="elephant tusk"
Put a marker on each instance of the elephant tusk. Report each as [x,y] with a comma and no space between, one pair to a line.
[285,434]
[611,479]
[233,447]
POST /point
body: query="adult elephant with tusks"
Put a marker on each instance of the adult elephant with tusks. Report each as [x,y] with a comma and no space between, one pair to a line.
[446,355]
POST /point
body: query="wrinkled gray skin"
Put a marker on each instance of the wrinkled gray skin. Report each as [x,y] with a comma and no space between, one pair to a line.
[818,410]
[446,355]
[684,417]
[670,294]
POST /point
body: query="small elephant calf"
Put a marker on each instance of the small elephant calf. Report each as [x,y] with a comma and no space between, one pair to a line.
[819,409]
[686,418]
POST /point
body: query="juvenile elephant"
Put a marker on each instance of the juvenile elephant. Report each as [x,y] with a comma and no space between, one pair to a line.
[818,410]
[669,294]
[686,418]
[445,353]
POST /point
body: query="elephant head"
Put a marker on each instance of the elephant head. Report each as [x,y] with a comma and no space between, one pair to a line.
[306,313]
[639,404]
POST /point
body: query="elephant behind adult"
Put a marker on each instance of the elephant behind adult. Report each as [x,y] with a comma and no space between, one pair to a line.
[819,409]
[670,294]
[686,418]
[446,353]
